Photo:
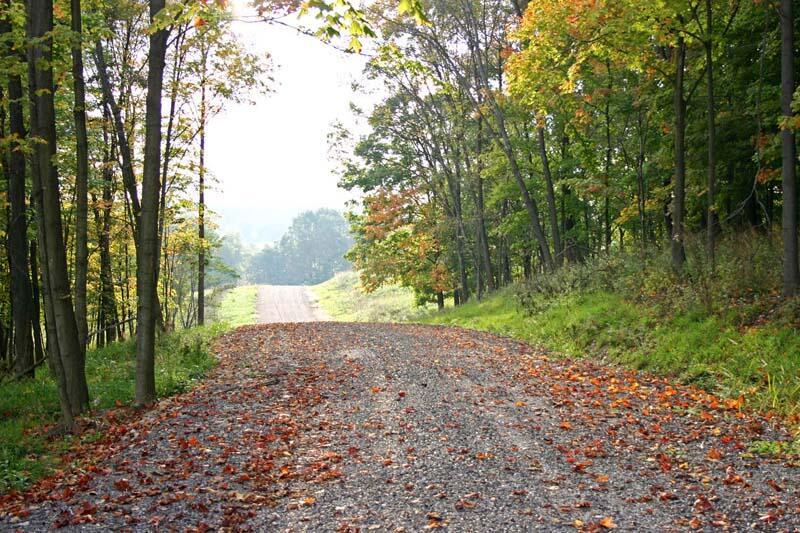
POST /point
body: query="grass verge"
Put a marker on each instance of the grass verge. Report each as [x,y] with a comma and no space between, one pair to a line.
[342,299]
[762,362]
[28,409]
[237,306]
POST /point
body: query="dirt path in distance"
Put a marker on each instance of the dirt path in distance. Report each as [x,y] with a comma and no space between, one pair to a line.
[283,303]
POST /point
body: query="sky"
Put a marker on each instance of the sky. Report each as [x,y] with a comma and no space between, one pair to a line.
[270,159]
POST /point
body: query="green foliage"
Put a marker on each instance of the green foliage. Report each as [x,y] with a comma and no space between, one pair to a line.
[29,410]
[337,18]
[772,447]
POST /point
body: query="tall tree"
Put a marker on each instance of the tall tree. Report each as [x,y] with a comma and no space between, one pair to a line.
[791,272]
[201,188]
[678,210]
[66,352]
[81,173]
[14,168]
[148,252]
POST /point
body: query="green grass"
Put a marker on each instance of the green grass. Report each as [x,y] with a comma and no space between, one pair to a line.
[237,306]
[342,299]
[29,408]
[762,363]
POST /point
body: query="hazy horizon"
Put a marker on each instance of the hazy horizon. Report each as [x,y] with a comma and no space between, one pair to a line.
[270,159]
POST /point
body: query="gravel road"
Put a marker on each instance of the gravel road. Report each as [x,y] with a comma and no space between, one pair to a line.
[361,427]
[284,303]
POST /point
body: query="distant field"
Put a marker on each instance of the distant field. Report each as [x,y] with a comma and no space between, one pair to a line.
[342,299]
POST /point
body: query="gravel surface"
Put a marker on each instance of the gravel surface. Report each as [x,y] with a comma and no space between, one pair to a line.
[285,303]
[361,427]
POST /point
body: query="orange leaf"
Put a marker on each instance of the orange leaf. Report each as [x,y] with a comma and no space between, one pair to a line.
[607,523]
[714,454]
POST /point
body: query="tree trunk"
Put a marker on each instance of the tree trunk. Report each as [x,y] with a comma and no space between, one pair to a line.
[107,298]
[36,312]
[128,177]
[71,354]
[479,201]
[201,207]
[641,185]
[17,231]
[177,68]
[551,197]
[712,140]
[528,200]
[607,184]
[147,256]
[81,174]
[39,23]
[679,186]
[791,273]
[483,239]
[527,265]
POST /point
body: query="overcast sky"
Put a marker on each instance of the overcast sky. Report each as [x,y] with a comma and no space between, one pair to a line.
[271,159]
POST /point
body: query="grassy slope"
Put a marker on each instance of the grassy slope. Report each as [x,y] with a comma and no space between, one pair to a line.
[237,306]
[762,363]
[341,298]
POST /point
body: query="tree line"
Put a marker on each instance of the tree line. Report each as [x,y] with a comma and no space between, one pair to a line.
[103,114]
[311,251]
[520,137]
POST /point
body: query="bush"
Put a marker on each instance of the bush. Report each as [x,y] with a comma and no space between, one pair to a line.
[743,285]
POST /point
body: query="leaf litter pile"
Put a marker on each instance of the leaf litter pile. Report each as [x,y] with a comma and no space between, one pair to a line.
[360,427]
